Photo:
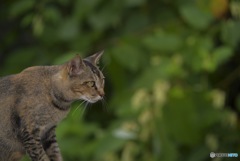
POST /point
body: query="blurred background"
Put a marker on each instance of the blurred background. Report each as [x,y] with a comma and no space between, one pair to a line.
[172,71]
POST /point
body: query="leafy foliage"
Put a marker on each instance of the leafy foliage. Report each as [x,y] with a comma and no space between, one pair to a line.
[160,103]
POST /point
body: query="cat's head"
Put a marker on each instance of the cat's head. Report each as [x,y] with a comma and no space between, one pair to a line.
[84,80]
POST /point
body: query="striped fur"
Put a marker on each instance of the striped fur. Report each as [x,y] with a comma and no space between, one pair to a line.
[34,101]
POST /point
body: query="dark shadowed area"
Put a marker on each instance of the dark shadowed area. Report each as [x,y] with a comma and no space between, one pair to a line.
[172,71]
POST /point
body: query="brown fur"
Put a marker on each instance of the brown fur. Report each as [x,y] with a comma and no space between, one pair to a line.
[34,101]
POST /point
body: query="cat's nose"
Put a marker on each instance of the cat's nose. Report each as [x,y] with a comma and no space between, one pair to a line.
[101,93]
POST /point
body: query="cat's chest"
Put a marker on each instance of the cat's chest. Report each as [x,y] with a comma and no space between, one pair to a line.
[43,118]
[48,115]
[46,121]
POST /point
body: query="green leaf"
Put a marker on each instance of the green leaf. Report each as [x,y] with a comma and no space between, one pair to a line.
[108,143]
[19,7]
[238,102]
[88,8]
[69,30]
[134,3]
[27,20]
[107,17]
[187,117]
[19,60]
[195,17]
[198,154]
[161,41]
[230,33]
[65,58]
[222,54]
[129,56]
[165,70]
[51,15]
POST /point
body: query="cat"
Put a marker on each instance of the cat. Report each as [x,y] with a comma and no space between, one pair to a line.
[34,101]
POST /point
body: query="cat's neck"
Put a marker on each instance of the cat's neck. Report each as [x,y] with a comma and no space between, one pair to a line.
[59,100]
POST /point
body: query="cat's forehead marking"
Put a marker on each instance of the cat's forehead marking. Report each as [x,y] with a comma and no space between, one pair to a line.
[92,67]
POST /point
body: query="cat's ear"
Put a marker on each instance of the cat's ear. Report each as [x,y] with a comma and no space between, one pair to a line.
[94,59]
[75,66]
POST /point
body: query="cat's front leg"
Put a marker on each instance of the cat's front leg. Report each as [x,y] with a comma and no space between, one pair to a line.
[32,145]
[51,146]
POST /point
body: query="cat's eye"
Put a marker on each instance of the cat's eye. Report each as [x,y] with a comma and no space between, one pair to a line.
[90,83]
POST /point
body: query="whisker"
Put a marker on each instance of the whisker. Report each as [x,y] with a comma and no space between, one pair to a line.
[84,108]
[103,67]
[104,104]
[77,108]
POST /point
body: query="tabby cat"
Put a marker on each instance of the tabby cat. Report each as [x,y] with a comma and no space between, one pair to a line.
[34,101]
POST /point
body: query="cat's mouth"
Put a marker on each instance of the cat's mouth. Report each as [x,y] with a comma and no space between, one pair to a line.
[91,100]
